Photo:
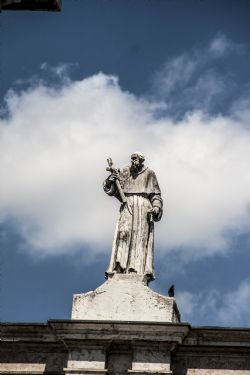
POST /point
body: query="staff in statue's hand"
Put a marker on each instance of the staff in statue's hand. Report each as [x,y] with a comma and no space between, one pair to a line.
[115,178]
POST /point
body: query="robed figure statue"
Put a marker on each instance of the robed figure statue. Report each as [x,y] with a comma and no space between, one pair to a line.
[137,189]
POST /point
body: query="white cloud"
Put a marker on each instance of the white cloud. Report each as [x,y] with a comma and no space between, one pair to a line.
[214,307]
[221,46]
[53,150]
[175,74]
[199,80]
[60,70]
[185,69]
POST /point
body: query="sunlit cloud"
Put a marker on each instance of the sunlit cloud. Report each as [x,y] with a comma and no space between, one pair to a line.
[55,141]
[230,308]
[204,78]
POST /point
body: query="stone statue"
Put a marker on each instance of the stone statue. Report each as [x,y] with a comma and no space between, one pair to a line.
[137,189]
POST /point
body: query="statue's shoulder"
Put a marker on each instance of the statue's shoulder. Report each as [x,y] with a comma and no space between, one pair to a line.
[150,172]
[151,176]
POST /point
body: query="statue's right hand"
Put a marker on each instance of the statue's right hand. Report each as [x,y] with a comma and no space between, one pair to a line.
[114,176]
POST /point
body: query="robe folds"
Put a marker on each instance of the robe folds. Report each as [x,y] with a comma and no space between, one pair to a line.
[133,244]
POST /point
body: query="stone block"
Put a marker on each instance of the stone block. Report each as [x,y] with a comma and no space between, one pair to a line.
[86,359]
[151,359]
[125,297]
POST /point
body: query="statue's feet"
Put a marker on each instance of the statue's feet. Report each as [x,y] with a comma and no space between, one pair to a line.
[118,268]
[131,270]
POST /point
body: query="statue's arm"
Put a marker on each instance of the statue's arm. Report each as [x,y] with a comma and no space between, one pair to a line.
[109,186]
[155,197]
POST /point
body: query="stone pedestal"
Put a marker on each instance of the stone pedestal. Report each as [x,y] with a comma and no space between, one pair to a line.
[125,298]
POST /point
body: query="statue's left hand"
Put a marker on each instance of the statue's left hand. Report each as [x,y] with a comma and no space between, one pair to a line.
[156,211]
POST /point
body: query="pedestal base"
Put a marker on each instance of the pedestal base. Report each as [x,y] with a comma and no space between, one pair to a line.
[125,298]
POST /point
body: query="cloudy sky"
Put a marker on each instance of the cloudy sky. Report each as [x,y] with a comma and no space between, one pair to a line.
[104,78]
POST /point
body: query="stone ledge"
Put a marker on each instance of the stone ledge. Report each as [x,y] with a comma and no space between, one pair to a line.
[101,332]
[27,372]
[150,372]
[82,371]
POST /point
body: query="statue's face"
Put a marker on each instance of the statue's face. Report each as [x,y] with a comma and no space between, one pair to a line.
[136,162]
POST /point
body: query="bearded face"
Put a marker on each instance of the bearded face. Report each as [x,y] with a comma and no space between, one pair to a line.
[136,163]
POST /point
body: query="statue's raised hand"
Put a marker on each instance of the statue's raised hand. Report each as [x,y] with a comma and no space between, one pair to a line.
[114,175]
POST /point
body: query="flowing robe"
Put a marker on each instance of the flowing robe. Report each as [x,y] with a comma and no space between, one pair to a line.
[133,244]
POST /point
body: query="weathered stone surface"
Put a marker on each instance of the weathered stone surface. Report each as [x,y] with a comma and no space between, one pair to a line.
[86,356]
[72,331]
[153,358]
[68,371]
[125,298]
[30,368]
[123,348]
[217,372]
[119,358]
[120,346]
[213,351]
[30,348]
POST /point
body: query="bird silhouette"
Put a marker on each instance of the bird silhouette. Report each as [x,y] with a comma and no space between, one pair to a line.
[171,291]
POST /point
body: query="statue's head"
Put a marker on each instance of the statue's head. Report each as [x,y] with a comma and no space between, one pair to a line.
[137,160]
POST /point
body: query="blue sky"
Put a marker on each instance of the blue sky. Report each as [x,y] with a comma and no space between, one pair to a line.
[105,78]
